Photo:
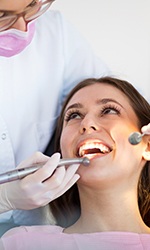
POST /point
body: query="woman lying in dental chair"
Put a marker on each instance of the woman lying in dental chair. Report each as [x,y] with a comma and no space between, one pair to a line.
[108,206]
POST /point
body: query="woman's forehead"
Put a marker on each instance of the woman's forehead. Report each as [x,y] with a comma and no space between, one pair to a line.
[98,91]
[100,94]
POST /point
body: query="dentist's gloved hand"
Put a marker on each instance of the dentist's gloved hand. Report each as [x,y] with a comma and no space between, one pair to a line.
[40,187]
[146,129]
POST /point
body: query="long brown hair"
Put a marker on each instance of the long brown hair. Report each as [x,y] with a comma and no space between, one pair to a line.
[66,208]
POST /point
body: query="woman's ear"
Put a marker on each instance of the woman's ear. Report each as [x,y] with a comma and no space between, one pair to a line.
[146,152]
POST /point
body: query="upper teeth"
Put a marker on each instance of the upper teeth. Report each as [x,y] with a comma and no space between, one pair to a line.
[83,149]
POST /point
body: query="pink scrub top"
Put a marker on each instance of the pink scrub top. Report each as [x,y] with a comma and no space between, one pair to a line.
[53,238]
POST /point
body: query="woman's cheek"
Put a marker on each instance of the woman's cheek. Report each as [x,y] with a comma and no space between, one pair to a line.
[68,136]
[64,144]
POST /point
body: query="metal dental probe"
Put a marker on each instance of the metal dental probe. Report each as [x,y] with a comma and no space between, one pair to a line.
[22,172]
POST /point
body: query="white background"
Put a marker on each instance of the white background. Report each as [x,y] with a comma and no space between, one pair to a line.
[118,31]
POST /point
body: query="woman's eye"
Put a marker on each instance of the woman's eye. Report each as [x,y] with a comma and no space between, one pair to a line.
[110,111]
[72,116]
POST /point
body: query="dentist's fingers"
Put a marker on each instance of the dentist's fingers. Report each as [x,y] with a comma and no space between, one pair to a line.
[45,192]
[47,169]
[39,188]
[146,129]
[59,179]
[70,178]
[61,191]
[37,157]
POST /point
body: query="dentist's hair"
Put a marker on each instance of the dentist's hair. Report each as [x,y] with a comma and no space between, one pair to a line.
[66,208]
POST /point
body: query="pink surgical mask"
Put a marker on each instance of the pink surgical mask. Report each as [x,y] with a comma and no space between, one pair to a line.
[13,41]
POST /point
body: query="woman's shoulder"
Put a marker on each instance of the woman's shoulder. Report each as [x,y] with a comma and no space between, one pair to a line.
[46,237]
[34,229]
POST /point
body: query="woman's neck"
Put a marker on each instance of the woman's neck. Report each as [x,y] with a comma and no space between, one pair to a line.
[109,212]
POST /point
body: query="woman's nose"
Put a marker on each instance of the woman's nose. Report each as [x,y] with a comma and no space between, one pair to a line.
[20,24]
[88,125]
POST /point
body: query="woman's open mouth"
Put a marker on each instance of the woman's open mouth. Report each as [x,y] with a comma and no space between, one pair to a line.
[92,148]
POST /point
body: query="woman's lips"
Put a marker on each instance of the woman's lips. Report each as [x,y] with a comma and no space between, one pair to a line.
[89,148]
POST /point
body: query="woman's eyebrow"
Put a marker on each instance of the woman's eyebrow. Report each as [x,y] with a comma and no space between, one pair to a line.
[106,100]
[74,105]
[98,101]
